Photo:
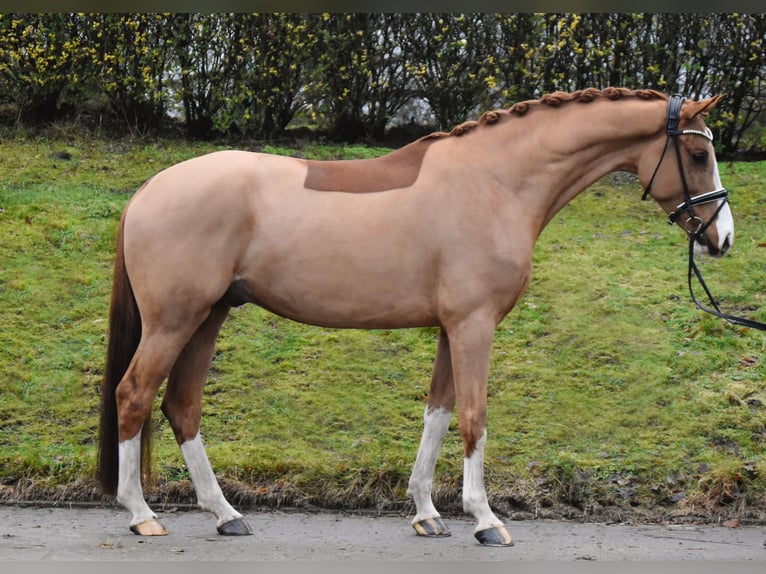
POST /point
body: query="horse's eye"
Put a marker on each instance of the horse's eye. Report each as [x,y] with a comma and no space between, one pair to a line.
[699,156]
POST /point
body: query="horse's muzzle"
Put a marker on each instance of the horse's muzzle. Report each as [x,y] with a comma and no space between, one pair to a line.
[703,245]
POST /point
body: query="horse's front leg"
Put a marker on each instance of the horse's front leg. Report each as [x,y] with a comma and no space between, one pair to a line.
[470,343]
[436,419]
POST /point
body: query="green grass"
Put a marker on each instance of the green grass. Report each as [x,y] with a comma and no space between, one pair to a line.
[608,391]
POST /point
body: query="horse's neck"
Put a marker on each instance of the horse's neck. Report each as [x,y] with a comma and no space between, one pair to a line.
[575,146]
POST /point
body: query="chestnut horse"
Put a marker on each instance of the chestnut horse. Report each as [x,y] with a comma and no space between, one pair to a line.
[437,233]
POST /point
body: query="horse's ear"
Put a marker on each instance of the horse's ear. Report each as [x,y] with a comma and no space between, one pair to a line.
[702,107]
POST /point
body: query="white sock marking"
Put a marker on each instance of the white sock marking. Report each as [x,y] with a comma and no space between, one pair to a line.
[474,494]
[209,494]
[129,490]
[435,426]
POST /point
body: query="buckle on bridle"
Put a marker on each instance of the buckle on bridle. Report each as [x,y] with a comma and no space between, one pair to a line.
[693,225]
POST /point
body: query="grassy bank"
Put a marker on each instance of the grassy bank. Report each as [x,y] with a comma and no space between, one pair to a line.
[609,392]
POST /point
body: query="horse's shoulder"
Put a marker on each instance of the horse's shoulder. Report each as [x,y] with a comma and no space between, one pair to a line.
[397,169]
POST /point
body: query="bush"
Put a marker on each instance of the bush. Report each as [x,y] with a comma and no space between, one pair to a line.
[353,73]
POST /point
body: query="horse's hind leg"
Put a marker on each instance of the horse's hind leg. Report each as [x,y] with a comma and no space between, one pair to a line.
[182,404]
[134,395]
[436,419]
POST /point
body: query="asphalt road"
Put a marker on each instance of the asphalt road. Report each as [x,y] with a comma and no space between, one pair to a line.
[101,534]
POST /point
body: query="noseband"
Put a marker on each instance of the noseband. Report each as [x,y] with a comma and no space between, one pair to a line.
[694,225]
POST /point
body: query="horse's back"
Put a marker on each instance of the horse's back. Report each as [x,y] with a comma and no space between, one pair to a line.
[395,170]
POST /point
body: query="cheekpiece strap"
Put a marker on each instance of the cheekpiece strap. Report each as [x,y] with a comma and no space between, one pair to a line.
[671,127]
[674,113]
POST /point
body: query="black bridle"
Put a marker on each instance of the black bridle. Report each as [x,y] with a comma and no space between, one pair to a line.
[694,226]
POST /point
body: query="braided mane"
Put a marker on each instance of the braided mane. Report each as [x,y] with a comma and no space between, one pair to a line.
[554,99]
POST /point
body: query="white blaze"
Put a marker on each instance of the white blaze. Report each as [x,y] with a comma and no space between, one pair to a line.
[724,222]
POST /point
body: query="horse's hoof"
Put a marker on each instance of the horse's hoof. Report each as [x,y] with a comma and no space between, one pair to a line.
[431,527]
[149,528]
[495,536]
[236,527]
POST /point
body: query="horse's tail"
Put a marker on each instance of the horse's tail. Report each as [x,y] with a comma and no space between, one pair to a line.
[124,336]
